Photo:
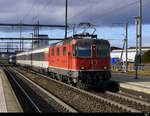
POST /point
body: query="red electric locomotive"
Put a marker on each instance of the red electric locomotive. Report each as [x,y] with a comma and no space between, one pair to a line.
[77,60]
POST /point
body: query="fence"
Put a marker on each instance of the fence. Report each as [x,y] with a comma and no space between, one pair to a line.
[131,67]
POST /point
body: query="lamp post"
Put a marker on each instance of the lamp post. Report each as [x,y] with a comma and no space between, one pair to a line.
[66,22]
[126,47]
[140,29]
[32,48]
[32,40]
[137,20]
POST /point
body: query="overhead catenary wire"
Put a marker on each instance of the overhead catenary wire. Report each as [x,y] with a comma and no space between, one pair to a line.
[103,15]
[42,9]
[84,9]
[113,10]
[28,12]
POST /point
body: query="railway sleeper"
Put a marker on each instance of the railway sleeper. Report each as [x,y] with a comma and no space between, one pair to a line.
[85,82]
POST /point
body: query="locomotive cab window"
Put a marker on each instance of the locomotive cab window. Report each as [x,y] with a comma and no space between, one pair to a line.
[102,51]
[84,50]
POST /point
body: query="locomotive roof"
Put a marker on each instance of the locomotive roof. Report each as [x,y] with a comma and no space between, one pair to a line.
[72,40]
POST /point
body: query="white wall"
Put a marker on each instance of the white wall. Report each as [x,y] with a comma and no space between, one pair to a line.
[131,54]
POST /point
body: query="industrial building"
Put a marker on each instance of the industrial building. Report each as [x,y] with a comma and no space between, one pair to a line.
[40,43]
[116,53]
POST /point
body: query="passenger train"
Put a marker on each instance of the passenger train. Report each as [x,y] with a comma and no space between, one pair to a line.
[75,60]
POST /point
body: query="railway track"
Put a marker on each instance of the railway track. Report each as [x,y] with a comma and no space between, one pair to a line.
[137,104]
[29,102]
[134,84]
[37,108]
[135,94]
[85,101]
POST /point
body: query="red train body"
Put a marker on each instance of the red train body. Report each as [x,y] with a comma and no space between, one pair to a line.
[74,61]
[69,61]
[81,60]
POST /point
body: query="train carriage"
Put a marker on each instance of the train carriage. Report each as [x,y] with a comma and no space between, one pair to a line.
[12,59]
[39,60]
[36,59]
[75,61]
[22,59]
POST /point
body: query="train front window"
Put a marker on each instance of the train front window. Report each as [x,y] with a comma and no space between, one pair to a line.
[74,50]
[84,50]
[102,51]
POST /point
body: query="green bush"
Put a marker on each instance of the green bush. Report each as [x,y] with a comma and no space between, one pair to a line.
[146,57]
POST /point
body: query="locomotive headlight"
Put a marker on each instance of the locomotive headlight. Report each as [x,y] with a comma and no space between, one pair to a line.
[82,68]
[105,67]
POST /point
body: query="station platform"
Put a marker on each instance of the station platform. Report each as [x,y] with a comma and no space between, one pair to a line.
[8,99]
[129,81]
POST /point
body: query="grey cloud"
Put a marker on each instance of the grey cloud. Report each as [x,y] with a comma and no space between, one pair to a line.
[99,12]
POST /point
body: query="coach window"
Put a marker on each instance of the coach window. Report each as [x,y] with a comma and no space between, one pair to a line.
[52,51]
[42,55]
[46,55]
[23,57]
[33,56]
[36,56]
[57,51]
[39,57]
[64,51]
[29,57]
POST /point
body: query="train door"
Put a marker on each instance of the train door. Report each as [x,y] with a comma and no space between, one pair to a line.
[49,57]
[69,57]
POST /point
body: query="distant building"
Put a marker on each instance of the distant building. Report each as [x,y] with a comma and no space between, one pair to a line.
[41,43]
[116,53]
[115,48]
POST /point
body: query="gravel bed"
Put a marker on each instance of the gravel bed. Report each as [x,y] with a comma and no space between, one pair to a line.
[136,94]
[125,102]
[77,100]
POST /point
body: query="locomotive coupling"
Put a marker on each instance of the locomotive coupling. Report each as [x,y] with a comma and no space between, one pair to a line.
[113,86]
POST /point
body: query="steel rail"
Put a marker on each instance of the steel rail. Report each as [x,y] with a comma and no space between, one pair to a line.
[27,96]
[66,106]
[94,96]
[135,84]
[129,98]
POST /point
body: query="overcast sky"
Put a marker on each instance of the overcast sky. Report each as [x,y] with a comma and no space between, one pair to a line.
[101,13]
[53,11]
